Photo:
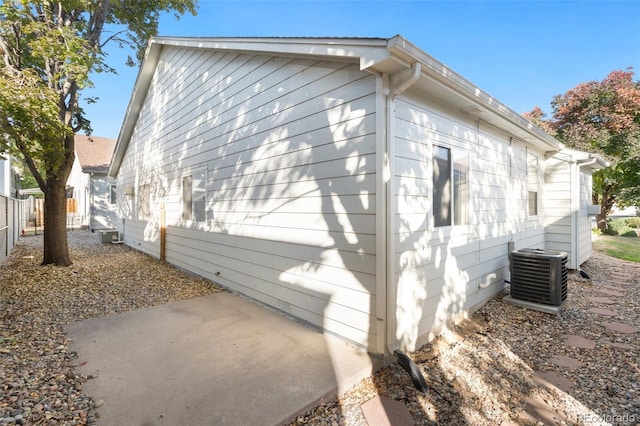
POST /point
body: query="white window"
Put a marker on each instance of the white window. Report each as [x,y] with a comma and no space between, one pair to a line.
[450,187]
[113,195]
[532,180]
[194,197]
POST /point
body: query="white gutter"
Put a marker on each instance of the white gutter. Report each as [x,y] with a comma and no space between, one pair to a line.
[391,289]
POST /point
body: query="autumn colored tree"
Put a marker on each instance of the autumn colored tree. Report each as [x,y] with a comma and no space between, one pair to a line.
[602,117]
[49,50]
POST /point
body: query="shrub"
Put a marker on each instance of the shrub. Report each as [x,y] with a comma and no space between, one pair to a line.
[633,222]
[617,227]
[629,233]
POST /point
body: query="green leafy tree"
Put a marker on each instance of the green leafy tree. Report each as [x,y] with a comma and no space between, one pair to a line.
[602,117]
[49,50]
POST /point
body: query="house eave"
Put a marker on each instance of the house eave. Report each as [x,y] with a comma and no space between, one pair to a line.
[470,98]
[376,55]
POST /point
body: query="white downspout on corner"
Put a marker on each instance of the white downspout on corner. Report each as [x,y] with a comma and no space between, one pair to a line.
[389,152]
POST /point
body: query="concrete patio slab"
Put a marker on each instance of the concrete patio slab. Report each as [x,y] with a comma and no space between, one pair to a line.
[219,359]
[540,307]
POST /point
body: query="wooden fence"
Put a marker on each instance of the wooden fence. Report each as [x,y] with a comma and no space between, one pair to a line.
[38,217]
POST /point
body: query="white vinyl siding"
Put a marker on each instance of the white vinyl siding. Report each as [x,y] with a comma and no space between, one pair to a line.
[558,213]
[289,197]
[441,272]
[567,199]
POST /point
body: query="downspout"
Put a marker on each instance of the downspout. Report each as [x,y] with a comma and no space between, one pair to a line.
[91,202]
[391,290]
[576,215]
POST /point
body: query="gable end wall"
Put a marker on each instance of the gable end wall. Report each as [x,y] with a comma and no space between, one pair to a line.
[287,149]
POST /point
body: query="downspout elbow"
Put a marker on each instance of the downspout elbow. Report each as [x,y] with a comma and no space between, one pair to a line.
[588,162]
[414,74]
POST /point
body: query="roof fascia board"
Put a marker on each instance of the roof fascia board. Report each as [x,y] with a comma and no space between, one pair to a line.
[400,47]
[596,161]
[353,48]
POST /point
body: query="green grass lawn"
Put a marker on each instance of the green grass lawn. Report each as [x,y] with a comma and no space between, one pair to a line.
[625,248]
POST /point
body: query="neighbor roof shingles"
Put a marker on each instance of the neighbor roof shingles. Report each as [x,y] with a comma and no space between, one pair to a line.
[94,153]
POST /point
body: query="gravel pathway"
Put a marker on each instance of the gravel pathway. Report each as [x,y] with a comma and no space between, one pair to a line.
[512,366]
[506,365]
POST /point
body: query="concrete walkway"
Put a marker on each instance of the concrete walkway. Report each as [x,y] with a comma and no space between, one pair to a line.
[214,360]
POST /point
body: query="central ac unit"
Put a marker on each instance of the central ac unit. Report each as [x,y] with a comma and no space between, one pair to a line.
[539,276]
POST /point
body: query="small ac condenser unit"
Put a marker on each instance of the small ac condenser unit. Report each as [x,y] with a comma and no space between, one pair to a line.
[539,276]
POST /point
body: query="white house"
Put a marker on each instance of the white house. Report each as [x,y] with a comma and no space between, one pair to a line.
[5,176]
[9,177]
[94,192]
[356,184]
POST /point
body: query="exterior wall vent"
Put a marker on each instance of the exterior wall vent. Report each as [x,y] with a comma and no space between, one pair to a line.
[539,276]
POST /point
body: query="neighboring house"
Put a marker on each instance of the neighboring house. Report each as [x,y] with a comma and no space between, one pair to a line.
[9,178]
[88,184]
[617,212]
[5,176]
[356,184]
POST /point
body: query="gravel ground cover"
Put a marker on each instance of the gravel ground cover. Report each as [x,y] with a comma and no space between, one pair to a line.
[496,368]
[38,384]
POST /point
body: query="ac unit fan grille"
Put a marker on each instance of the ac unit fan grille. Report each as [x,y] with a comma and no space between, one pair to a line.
[539,276]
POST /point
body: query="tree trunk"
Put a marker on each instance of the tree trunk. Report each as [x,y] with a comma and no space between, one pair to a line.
[605,208]
[56,247]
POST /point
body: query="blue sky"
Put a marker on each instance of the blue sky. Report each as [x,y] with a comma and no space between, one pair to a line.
[521,52]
